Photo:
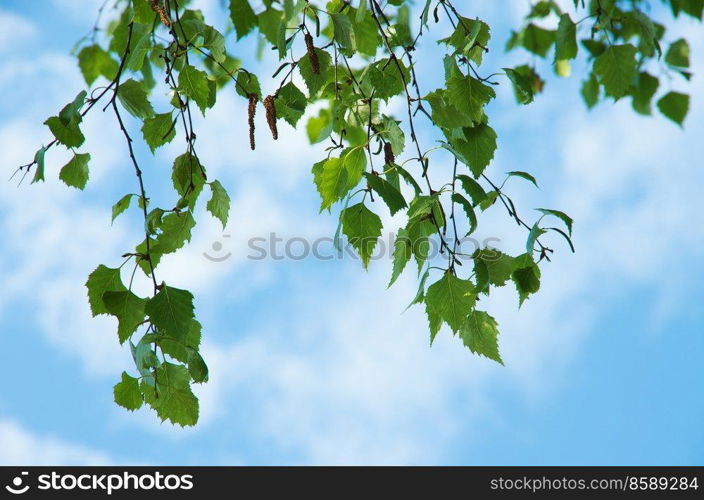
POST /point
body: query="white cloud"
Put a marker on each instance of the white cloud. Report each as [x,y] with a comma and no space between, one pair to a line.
[22,447]
[15,30]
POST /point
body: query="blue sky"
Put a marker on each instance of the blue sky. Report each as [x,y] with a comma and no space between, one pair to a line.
[314,362]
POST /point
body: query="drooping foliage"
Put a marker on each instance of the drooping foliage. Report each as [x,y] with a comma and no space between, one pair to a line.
[351,59]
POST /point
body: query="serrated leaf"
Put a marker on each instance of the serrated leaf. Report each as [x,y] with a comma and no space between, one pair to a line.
[468,210]
[187,177]
[344,34]
[175,232]
[134,99]
[68,134]
[158,130]
[472,188]
[193,83]
[243,17]
[476,148]
[498,265]
[331,181]
[128,308]
[391,196]
[315,81]
[469,95]
[526,276]
[172,398]
[290,103]
[403,249]
[616,67]
[219,203]
[452,299]
[480,334]
[102,279]
[362,228]
[171,310]
[127,393]
[75,172]
[95,62]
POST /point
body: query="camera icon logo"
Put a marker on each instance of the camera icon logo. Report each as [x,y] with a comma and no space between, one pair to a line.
[16,488]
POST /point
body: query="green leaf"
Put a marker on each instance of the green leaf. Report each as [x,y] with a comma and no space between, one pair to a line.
[391,196]
[122,205]
[526,276]
[675,106]
[172,398]
[469,95]
[616,68]
[243,17]
[535,233]
[67,133]
[590,91]
[176,231]
[128,308]
[134,99]
[521,86]
[537,40]
[678,54]
[344,34]
[314,81]
[193,83]
[472,188]
[331,181]
[159,130]
[477,147]
[560,215]
[566,39]
[355,162]
[362,228]
[643,92]
[39,160]
[403,249]
[480,334]
[498,265]
[290,103]
[452,299]
[523,175]
[319,128]
[95,62]
[102,279]
[181,349]
[468,210]
[219,203]
[188,178]
[197,368]
[127,393]
[171,310]
[75,172]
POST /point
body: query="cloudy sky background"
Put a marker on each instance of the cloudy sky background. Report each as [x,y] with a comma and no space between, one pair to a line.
[313,361]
